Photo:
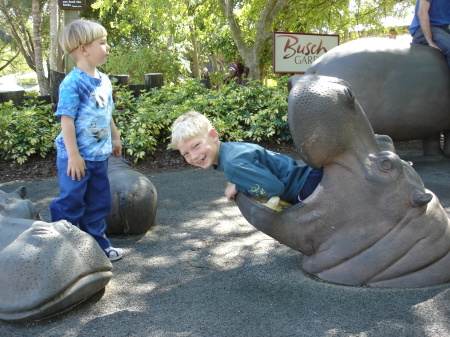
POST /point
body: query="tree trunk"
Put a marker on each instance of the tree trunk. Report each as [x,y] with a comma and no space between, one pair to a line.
[251,54]
[194,53]
[18,29]
[43,81]
[55,54]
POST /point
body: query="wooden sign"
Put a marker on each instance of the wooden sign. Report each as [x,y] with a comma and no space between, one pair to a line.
[295,52]
[74,5]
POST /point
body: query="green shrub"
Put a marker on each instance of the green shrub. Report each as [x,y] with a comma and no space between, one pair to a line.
[138,61]
[30,130]
[252,113]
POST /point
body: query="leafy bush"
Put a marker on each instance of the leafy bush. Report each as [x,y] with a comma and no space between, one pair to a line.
[138,61]
[252,113]
[27,131]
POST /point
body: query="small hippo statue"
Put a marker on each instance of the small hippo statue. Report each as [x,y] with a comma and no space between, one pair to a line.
[45,268]
[14,205]
[134,200]
[370,221]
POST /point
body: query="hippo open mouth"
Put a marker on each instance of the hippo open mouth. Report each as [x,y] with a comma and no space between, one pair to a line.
[370,221]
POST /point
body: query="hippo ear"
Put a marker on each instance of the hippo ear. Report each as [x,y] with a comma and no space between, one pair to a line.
[419,199]
[21,191]
[349,94]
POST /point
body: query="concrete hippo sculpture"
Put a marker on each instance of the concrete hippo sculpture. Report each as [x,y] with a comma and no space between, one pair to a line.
[134,200]
[44,267]
[370,221]
[403,88]
[47,268]
[14,205]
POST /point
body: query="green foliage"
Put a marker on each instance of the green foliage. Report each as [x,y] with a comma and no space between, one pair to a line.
[27,131]
[252,113]
[139,61]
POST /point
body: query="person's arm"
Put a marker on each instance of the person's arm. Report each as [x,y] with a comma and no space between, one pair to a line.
[230,192]
[424,19]
[76,166]
[255,179]
[115,138]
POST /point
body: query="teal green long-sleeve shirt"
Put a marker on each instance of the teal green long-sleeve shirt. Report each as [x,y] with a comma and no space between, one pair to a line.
[261,172]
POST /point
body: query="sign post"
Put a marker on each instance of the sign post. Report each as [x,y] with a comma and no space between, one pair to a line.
[70,8]
[295,52]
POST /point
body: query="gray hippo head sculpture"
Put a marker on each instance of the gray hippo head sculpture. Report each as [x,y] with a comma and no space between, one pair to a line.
[134,200]
[47,268]
[370,221]
[403,88]
[13,204]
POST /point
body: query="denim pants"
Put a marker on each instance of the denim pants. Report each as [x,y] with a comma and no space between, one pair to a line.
[314,178]
[84,203]
[441,36]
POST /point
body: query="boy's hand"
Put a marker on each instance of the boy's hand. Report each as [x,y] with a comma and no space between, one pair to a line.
[76,167]
[117,148]
[230,192]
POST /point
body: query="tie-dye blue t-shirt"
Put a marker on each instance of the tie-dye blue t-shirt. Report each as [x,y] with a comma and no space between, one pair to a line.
[89,102]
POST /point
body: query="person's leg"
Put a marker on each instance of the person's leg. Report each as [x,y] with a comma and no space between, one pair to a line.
[441,37]
[97,201]
[70,203]
[314,178]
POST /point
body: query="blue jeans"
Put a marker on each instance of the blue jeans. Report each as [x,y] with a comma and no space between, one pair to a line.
[314,178]
[441,36]
[84,203]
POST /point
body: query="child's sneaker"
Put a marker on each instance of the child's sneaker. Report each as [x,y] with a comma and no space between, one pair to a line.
[113,254]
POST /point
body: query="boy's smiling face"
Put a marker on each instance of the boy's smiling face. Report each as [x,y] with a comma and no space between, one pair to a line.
[201,151]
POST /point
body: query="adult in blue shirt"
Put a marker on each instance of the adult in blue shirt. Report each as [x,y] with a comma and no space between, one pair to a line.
[430,25]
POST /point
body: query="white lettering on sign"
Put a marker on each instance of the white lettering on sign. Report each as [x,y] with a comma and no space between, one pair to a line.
[72,4]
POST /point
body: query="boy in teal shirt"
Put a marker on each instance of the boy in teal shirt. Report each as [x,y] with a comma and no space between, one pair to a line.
[249,168]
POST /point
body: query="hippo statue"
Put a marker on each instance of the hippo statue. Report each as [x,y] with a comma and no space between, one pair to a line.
[134,200]
[14,205]
[370,221]
[47,268]
[403,88]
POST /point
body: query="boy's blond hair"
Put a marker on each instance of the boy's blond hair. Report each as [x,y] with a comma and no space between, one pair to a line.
[80,32]
[188,126]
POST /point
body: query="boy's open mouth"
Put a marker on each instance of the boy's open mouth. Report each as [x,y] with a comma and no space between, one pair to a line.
[202,161]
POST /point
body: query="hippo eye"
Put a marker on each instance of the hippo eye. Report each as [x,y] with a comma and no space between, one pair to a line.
[349,94]
[384,164]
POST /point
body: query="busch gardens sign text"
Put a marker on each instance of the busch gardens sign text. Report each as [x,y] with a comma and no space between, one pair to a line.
[294,52]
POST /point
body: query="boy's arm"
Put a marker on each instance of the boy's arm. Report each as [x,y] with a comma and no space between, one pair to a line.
[76,166]
[230,192]
[115,138]
[255,179]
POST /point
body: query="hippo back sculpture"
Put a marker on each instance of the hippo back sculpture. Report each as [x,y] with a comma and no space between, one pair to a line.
[370,221]
[45,267]
[134,200]
[403,88]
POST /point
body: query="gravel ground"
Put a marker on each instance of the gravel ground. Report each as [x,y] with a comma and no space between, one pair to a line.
[203,270]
